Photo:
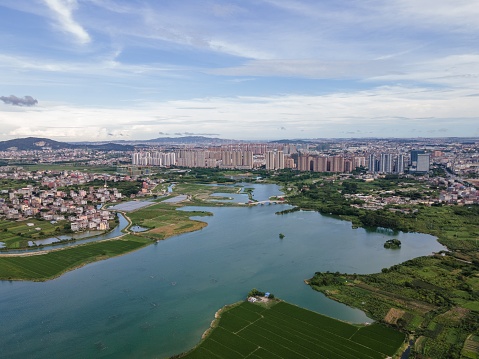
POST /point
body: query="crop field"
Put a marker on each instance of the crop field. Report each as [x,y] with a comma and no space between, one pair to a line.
[16,234]
[165,221]
[471,347]
[46,266]
[286,331]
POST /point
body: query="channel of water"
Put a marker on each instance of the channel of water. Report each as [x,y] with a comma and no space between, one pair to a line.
[80,238]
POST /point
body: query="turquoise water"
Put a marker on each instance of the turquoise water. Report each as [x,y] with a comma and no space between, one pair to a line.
[157,301]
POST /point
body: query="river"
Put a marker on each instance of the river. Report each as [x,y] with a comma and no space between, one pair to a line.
[157,301]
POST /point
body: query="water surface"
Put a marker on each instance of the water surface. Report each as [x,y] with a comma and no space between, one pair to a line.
[157,301]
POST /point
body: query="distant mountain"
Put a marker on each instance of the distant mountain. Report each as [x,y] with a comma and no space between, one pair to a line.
[167,141]
[295,141]
[109,146]
[35,143]
[187,140]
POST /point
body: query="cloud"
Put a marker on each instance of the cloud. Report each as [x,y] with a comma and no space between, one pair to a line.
[18,101]
[64,17]
[385,111]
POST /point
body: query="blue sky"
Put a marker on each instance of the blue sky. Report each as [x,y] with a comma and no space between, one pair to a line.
[249,69]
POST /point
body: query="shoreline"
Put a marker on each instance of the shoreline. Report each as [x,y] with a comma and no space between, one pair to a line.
[197,225]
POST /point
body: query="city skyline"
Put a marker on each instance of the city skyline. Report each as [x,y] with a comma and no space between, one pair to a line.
[253,70]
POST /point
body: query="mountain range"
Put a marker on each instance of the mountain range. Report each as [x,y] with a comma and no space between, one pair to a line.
[35,143]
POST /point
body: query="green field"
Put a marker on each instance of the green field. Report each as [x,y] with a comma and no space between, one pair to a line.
[286,331]
[16,234]
[164,220]
[51,265]
[81,167]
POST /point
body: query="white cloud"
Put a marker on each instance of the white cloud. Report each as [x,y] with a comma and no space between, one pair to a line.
[63,11]
[385,111]
[455,70]
[458,15]
[104,66]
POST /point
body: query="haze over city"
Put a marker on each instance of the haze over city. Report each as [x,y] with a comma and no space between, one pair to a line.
[255,70]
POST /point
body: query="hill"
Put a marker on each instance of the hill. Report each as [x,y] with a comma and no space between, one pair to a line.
[36,143]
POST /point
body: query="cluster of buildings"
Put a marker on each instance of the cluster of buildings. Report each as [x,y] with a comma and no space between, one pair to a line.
[460,194]
[277,159]
[78,207]
[48,198]
[80,156]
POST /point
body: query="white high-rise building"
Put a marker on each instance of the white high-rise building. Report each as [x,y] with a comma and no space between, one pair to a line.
[274,160]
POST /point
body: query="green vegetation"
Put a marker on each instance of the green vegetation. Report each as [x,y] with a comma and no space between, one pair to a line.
[16,234]
[471,347]
[165,221]
[392,244]
[286,331]
[162,219]
[281,236]
[40,267]
[200,194]
[69,166]
[126,188]
[456,227]
[433,298]
[8,184]
[256,293]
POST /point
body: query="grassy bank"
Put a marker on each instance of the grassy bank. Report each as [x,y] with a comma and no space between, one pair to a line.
[163,220]
[36,266]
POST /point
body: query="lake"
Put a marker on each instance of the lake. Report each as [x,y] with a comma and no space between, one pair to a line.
[158,301]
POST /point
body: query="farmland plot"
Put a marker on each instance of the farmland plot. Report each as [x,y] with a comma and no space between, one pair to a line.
[286,331]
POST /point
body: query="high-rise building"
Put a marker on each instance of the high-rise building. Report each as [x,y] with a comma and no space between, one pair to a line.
[336,164]
[414,154]
[320,164]
[304,163]
[422,163]
[372,163]
[399,166]
[274,160]
[386,164]
[419,161]
[359,162]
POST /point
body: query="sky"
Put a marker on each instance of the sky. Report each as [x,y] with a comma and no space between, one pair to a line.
[105,70]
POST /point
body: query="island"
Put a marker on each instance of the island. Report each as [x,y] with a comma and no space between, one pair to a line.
[392,244]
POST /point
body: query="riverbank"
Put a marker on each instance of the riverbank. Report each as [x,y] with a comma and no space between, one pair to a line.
[46,266]
[163,220]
